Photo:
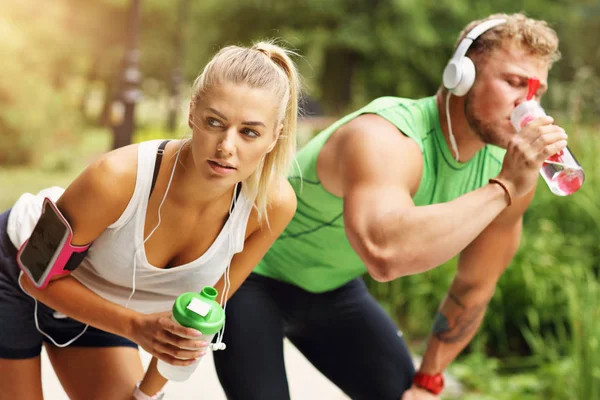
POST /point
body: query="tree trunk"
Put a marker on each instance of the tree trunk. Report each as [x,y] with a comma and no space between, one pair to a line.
[109,93]
[92,75]
[336,79]
[177,72]
[129,93]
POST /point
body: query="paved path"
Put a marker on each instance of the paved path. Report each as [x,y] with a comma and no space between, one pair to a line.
[305,381]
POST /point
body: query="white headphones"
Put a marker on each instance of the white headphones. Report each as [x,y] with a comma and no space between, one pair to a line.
[459,73]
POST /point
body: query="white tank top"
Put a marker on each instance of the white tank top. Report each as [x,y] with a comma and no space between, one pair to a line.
[108,268]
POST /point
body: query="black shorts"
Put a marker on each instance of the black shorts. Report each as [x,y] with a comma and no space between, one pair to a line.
[19,337]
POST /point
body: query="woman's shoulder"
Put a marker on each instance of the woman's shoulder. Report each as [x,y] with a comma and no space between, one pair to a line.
[281,204]
[281,207]
[100,194]
[114,171]
[283,197]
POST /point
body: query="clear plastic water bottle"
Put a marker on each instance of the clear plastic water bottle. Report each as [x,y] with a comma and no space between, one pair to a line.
[199,311]
[561,171]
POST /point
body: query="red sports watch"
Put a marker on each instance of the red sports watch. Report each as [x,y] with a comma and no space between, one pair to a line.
[431,383]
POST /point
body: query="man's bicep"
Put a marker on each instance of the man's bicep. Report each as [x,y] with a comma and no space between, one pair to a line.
[381,169]
[375,154]
[371,203]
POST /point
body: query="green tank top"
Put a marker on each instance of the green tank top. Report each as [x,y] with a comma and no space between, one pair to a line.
[313,251]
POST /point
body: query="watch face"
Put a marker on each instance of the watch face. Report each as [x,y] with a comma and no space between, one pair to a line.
[42,249]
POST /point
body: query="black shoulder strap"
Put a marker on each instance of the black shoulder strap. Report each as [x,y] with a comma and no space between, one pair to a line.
[237,190]
[159,155]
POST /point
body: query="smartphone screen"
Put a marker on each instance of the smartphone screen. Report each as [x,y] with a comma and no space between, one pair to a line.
[49,234]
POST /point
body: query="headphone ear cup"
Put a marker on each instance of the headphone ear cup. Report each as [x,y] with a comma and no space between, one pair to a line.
[468,77]
[452,74]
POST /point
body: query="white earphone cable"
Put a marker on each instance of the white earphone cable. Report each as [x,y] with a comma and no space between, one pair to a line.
[156,227]
[37,324]
[219,345]
[450,134]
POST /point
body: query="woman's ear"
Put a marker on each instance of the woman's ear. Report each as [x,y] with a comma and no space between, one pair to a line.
[272,145]
[190,115]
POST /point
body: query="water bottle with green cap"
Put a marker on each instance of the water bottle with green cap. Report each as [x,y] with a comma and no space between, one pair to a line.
[198,311]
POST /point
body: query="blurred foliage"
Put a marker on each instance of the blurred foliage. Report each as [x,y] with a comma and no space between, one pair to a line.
[48,59]
[356,50]
[57,168]
[61,72]
[352,50]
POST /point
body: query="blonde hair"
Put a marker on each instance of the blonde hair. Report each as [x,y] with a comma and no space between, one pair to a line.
[534,35]
[267,66]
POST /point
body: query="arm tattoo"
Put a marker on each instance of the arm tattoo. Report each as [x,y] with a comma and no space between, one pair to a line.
[456,300]
[465,323]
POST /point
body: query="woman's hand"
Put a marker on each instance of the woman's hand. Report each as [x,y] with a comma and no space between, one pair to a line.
[166,340]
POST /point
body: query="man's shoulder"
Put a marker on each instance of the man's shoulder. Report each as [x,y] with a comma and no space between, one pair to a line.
[405,112]
[395,103]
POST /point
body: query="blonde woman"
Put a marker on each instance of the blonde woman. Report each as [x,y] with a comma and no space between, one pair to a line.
[163,218]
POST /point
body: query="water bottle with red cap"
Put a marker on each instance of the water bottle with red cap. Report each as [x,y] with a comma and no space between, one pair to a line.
[561,171]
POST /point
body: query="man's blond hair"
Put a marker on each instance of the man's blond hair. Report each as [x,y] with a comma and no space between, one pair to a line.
[535,36]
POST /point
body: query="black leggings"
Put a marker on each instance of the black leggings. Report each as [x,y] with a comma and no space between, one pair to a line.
[344,333]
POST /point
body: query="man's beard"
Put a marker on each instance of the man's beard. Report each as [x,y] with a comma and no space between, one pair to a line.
[487,132]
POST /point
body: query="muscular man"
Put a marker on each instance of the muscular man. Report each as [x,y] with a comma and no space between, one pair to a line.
[397,188]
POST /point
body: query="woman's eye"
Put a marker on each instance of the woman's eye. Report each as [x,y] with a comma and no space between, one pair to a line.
[213,122]
[250,133]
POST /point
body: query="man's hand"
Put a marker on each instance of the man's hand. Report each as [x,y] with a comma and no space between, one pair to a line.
[527,151]
[416,393]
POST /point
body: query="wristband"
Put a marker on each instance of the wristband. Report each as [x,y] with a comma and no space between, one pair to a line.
[503,185]
[139,395]
[432,383]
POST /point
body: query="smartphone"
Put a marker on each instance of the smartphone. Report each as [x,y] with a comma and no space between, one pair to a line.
[48,249]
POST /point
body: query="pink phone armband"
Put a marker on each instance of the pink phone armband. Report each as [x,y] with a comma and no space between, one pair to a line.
[48,251]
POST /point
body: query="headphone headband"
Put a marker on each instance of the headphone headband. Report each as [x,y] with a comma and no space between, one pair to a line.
[473,34]
[459,73]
